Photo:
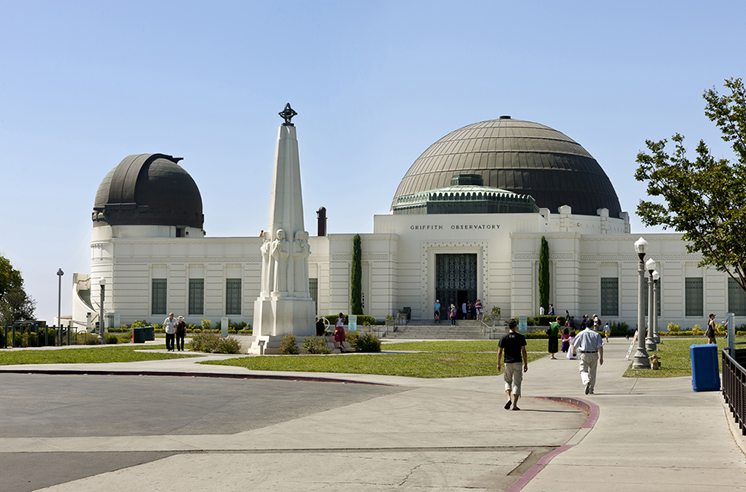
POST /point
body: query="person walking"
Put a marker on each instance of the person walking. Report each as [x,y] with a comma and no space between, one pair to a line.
[478,307]
[452,314]
[607,332]
[710,333]
[436,310]
[589,346]
[553,335]
[180,333]
[339,332]
[565,339]
[169,326]
[513,348]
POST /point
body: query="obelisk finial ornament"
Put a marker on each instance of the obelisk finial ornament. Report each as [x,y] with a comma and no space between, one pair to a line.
[287,115]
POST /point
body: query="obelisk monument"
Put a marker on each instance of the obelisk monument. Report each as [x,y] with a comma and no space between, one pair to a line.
[284,305]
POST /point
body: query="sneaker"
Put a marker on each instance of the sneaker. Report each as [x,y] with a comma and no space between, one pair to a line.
[516,408]
[507,405]
[587,388]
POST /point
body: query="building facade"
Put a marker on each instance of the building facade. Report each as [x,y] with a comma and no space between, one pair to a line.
[466,222]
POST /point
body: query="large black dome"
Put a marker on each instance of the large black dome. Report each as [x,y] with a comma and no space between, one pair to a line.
[520,156]
[148,189]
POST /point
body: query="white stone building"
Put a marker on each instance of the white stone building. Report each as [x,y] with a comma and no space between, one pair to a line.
[466,223]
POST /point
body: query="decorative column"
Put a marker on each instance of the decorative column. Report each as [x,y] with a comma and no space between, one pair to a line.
[656,277]
[284,305]
[649,340]
[641,360]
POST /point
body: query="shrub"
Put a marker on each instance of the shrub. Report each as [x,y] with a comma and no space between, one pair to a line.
[140,324]
[366,343]
[111,338]
[236,326]
[206,324]
[289,345]
[214,344]
[205,342]
[228,346]
[544,320]
[493,315]
[316,345]
[673,327]
[619,329]
[697,331]
[86,339]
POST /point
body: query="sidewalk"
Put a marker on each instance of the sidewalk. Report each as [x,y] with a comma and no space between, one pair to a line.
[445,434]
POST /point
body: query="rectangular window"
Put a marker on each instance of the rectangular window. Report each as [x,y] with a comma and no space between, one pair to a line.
[233,296]
[609,296]
[196,296]
[736,298]
[158,296]
[693,302]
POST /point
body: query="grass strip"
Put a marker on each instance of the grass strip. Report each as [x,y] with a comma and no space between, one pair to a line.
[91,355]
[674,355]
[435,360]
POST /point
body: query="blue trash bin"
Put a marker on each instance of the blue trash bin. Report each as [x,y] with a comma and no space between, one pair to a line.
[705,374]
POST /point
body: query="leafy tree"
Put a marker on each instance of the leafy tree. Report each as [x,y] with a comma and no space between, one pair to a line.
[704,197]
[356,277]
[544,274]
[15,304]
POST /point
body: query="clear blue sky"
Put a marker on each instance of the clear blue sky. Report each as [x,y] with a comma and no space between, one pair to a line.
[85,83]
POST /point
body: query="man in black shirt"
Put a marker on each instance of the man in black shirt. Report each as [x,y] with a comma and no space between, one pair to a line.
[514,346]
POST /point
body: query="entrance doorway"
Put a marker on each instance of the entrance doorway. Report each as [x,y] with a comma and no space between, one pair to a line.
[455,280]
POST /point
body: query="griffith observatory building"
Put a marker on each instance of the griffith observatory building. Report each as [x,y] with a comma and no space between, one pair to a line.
[466,222]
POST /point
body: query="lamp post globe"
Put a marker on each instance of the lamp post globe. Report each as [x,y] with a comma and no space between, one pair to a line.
[640,360]
[650,346]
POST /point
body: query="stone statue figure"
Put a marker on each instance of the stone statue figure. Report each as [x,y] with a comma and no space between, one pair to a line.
[267,266]
[301,252]
[280,251]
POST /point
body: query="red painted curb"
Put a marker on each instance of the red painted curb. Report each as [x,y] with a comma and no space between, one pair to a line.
[592,412]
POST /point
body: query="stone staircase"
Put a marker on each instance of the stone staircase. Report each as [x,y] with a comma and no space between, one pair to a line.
[426,330]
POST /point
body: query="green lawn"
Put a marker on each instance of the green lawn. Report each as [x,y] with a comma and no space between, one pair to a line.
[85,355]
[673,354]
[450,359]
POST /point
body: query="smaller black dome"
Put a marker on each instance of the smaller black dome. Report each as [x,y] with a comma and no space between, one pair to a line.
[148,189]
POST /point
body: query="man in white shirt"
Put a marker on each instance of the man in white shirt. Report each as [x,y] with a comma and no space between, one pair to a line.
[169,326]
[589,346]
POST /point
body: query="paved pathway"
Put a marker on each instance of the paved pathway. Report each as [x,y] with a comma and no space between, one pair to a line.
[444,434]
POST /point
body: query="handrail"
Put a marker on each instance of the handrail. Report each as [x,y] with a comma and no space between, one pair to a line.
[734,388]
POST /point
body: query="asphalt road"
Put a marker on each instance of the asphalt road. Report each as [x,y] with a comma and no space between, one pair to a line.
[81,406]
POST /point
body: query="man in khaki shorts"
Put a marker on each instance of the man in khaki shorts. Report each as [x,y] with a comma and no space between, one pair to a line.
[513,345]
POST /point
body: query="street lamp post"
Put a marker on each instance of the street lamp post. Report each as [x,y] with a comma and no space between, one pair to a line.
[102,283]
[60,273]
[656,277]
[641,360]
[649,340]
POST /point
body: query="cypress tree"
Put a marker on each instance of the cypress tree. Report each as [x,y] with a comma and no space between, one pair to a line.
[544,274]
[356,277]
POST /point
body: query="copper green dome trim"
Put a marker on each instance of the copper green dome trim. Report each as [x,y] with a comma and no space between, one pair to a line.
[520,156]
[464,199]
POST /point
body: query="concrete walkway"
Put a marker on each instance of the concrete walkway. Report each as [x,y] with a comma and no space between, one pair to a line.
[443,434]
